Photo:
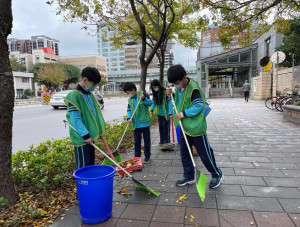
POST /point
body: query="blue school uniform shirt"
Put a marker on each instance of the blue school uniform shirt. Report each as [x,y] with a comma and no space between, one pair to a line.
[161,108]
[196,101]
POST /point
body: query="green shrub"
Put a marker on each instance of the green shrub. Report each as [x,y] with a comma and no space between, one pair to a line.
[28,92]
[3,203]
[52,163]
[297,103]
[46,166]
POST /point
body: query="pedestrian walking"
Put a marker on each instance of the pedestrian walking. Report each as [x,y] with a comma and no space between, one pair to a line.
[246,89]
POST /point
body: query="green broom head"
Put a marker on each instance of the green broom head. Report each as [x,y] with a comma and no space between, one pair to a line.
[142,186]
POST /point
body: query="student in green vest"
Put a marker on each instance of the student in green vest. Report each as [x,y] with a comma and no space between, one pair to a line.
[190,104]
[141,119]
[84,114]
[165,110]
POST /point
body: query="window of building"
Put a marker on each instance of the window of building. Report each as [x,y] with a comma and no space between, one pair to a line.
[234,58]
[25,80]
[113,54]
[244,57]
[121,58]
[105,54]
[121,53]
[122,68]
[105,50]
[223,60]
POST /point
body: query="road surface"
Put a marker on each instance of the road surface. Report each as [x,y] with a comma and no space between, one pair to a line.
[33,124]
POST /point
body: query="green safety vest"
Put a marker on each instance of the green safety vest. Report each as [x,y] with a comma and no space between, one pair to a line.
[142,111]
[94,124]
[193,126]
[165,106]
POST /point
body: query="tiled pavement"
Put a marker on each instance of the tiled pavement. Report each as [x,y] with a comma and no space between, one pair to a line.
[259,153]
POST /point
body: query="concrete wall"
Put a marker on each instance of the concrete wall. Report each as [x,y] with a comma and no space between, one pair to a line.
[92,61]
[261,85]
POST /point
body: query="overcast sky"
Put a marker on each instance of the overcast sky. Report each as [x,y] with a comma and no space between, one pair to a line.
[35,17]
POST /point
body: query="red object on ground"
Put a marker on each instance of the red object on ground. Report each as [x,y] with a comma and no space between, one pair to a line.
[47,50]
[128,169]
[173,130]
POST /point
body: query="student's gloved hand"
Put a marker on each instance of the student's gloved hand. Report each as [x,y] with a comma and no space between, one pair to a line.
[142,96]
[129,121]
[179,116]
[169,91]
[151,113]
[171,116]
[89,141]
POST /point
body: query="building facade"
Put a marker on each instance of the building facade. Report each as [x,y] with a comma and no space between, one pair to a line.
[211,46]
[35,43]
[22,81]
[42,41]
[92,61]
[23,46]
[115,57]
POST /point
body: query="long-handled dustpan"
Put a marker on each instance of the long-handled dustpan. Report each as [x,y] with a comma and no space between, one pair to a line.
[107,161]
[201,182]
[138,183]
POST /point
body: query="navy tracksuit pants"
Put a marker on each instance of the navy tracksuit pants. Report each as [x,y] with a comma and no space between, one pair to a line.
[137,134]
[204,151]
[164,130]
[84,156]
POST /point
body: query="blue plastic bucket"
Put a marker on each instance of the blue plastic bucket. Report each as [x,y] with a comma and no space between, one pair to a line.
[95,192]
[178,134]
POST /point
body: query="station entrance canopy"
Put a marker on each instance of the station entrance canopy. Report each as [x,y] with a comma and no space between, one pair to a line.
[231,67]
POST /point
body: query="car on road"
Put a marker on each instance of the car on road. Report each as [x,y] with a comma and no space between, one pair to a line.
[57,100]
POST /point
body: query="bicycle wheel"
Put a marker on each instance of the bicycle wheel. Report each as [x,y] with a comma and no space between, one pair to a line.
[278,104]
[283,102]
[270,104]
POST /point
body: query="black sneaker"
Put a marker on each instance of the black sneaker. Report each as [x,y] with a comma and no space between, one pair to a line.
[184,181]
[215,182]
[147,160]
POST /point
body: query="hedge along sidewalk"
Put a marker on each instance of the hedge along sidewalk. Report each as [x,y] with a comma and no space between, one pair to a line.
[43,178]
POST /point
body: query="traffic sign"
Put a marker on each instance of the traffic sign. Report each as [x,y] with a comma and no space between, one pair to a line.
[278,57]
[268,67]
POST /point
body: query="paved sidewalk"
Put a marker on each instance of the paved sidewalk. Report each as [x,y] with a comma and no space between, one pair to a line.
[259,153]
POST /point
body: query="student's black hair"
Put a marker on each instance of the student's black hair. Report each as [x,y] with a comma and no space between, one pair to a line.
[129,86]
[176,72]
[92,74]
[155,93]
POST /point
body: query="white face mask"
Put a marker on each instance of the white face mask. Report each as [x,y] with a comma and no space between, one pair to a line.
[132,96]
[178,86]
[156,89]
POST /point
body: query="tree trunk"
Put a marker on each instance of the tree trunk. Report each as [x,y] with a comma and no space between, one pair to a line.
[162,66]
[143,76]
[6,104]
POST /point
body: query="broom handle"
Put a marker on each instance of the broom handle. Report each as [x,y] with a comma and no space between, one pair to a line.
[107,148]
[128,125]
[67,123]
[173,136]
[186,141]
